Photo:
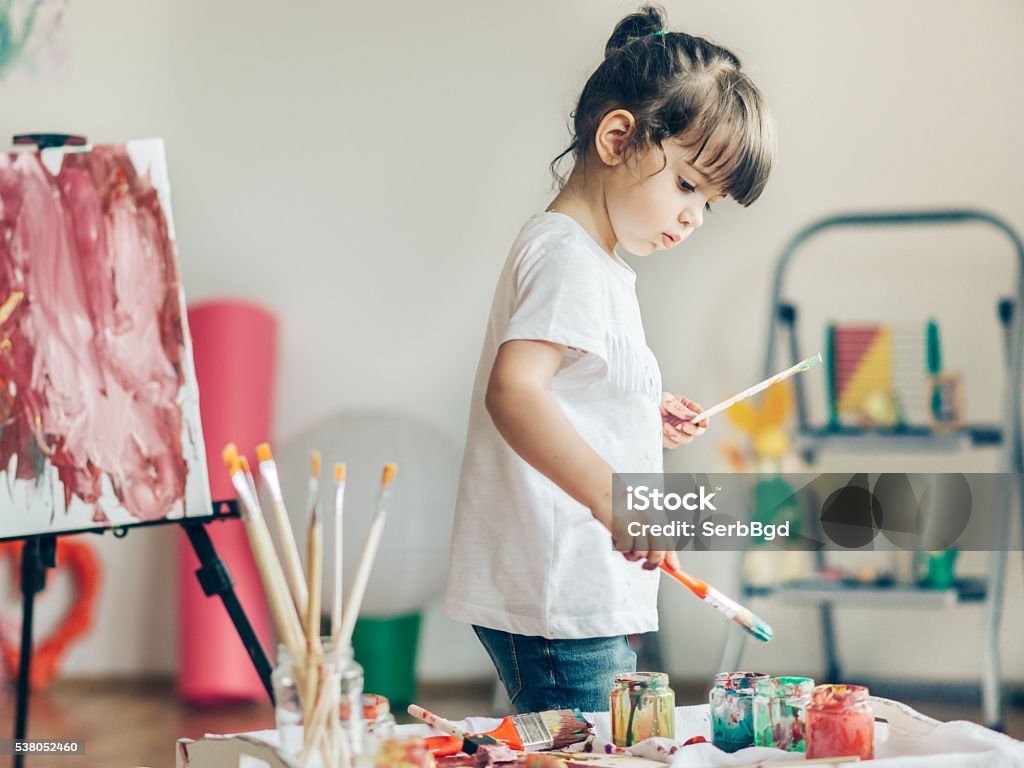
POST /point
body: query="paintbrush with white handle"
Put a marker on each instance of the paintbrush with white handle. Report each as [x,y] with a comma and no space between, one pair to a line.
[282,609]
[367,555]
[804,365]
[339,506]
[289,551]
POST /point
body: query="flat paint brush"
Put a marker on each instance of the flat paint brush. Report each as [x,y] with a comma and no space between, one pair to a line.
[314,568]
[538,731]
[313,491]
[289,550]
[367,555]
[529,732]
[339,507]
[267,566]
[804,365]
[732,610]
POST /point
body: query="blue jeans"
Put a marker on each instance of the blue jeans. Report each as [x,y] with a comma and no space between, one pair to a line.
[541,674]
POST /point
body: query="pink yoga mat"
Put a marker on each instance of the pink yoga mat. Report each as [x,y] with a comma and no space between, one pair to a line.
[234,346]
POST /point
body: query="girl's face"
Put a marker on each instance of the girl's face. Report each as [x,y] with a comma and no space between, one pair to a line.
[657,198]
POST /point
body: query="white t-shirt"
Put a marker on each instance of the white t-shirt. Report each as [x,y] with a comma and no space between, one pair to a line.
[526,557]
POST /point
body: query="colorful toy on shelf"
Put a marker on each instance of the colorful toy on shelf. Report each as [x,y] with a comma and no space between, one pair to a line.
[860,369]
[880,376]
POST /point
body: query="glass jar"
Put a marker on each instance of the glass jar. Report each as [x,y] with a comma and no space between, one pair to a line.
[350,710]
[393,752]
[642,706]
[299,687]
[840,721]
[780,712]
[288,713]
[377,715]
[732,712]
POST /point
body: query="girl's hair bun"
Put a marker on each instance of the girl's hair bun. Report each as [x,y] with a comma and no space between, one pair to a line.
[649,20]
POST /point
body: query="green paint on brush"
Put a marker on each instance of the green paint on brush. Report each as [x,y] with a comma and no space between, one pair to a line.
[761,630]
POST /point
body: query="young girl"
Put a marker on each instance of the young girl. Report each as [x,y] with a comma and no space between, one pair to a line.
[567,391]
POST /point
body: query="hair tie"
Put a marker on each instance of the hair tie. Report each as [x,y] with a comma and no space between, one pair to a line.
[662,32]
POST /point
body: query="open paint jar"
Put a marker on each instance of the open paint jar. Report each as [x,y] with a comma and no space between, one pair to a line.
[840,721]
[732,709]
[642,706]
[780,712]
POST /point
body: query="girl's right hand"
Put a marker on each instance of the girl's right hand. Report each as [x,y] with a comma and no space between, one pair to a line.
[641,548]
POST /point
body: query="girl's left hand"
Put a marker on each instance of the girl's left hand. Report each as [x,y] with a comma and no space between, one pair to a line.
[678,426]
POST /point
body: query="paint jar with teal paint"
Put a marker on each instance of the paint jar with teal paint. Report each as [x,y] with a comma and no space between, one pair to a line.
[780,712]
[642,706]
[732,709]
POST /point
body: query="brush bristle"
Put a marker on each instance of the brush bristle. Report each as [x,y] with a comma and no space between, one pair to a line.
[339,473]
[389,474]
[229,454]
[314,461]
[263,452]
[245,464]
[567,726]
[755,626]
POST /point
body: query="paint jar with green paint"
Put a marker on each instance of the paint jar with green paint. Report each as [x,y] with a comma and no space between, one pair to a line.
[732,709]
[780,712]
[642,706]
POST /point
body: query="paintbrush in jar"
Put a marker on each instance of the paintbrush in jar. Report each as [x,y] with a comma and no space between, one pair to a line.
[339,506]
[732,610]
[289,551]
[314,651]
[282,609]
[364,564]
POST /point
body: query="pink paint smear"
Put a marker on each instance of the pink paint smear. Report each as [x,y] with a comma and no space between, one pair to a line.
[91,339]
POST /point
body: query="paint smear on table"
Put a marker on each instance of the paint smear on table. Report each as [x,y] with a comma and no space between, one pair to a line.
[98,412]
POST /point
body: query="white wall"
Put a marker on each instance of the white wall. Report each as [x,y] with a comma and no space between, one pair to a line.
[362,169]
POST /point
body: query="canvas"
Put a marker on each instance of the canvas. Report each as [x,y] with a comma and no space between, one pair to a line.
[99,416]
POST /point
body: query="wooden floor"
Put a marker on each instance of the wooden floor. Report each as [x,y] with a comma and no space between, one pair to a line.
[136,724]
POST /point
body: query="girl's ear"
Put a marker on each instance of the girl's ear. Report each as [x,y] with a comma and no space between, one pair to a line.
[612,133]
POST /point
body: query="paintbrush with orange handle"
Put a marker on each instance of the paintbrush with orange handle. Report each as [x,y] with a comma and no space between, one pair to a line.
[733,610]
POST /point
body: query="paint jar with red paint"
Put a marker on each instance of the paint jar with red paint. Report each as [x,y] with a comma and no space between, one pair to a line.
[732,709]
[780,712]
[840,721]
[377,714]
[642,705]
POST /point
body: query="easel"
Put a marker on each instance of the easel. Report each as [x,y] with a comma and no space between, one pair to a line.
[39,554]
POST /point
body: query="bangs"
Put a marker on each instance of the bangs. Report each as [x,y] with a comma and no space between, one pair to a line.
[734,142]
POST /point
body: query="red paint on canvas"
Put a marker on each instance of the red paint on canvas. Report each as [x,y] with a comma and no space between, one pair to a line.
[91,351]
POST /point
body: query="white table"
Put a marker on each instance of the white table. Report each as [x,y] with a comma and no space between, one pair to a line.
[907,739]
